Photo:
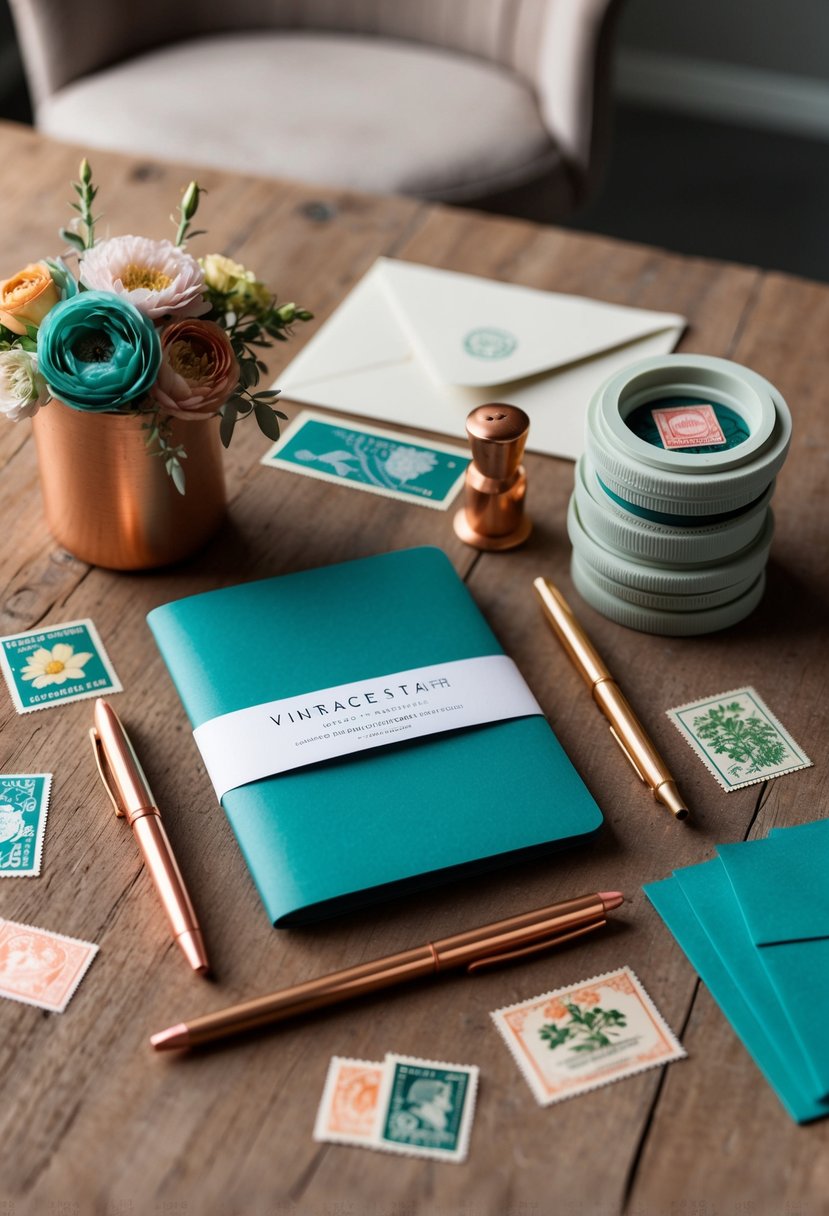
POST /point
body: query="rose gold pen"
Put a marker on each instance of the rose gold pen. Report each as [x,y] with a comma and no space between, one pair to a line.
[129,792]
[476,950]
[625,727]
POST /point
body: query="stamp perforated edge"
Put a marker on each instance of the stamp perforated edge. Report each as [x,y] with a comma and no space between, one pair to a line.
[543,1099]
[60,937]
[320,1132]
[690,739]
[115,684]
[34,872]
[442,504]
[459,1153]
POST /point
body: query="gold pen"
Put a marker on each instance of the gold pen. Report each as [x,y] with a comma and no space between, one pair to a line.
[625,727]
[475,950]
[123,778]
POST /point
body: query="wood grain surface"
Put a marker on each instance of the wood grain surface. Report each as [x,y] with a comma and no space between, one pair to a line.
[90,1120]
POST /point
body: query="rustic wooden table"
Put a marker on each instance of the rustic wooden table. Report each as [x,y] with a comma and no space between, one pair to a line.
[90,1120]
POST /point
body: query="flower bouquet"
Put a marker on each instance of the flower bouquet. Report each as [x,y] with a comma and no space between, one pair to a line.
[144,329]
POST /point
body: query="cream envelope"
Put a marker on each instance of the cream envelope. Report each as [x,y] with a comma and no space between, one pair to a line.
[422,347]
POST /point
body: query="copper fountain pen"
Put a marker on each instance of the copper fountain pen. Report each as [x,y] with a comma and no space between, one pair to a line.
[475,950]
[625,727]
[124,781]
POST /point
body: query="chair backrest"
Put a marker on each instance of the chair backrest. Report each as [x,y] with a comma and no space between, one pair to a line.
[556,44]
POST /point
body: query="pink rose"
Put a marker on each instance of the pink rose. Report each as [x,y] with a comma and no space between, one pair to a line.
[198,369]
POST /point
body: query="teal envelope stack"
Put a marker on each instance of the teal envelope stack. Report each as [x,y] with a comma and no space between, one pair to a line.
[345,832]
[754,922]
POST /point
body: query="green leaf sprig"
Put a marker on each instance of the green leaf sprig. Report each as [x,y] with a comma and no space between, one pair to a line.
[86,193]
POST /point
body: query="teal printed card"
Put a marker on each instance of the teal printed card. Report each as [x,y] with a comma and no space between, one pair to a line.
[369,458]
[24,805]
[56,664]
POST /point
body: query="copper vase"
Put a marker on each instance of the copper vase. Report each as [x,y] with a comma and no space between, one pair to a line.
[111,503]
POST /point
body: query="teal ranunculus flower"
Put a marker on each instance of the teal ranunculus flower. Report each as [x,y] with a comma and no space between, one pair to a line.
[63,278]
[96,351]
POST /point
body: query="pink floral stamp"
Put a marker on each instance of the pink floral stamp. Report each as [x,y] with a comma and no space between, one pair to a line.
[41,968]
[348,1111]
[576,1039]
[688,426]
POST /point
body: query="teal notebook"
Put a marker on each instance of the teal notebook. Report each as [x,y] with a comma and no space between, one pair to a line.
[344,832]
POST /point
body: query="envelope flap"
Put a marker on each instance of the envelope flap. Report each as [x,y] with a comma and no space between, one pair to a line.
[474,332]
[782,884]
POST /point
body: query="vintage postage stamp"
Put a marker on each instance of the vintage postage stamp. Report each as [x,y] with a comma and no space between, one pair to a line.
[349,1109]
[405,1105]
[24,805]
[738,738]
[426,1107]
[582,1037]
[688,426]
[41,968]
[56,664]
[369,458]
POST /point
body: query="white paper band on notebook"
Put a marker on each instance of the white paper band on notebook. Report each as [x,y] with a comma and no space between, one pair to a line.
[277,736]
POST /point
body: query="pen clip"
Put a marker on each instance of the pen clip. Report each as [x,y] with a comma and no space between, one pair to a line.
[631,759]
[99,764]
[495,960]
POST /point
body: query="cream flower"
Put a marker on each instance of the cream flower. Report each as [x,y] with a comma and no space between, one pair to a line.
[161,280]
[55,666]
[245,293]
[22,388]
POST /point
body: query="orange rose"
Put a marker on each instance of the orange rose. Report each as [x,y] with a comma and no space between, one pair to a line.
[26,297]
[198,369]
[555,1009]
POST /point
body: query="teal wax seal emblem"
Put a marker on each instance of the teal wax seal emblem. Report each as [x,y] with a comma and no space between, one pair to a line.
[490,343]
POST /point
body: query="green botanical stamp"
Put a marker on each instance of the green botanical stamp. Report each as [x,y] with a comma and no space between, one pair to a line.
[738,738]
[426,1107]
[24,805]
[56,664]
[488,342]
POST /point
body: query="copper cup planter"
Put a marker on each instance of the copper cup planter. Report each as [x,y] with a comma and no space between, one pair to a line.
[111,503]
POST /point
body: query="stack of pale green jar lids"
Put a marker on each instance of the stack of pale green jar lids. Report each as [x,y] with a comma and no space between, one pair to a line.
[670,519]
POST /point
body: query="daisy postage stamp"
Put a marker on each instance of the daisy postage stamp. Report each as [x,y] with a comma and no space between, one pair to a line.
[369,458]
[24,805]
[41,968]
[422,1108]
[580,1038]
[56,664]
[738,738]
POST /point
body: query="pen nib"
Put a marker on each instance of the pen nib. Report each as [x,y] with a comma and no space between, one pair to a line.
[611,899]
[171,1038]
[192,946]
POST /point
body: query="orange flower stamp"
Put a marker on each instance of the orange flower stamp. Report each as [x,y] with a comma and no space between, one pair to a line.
[580,1038]
[41,968]
[349,1110]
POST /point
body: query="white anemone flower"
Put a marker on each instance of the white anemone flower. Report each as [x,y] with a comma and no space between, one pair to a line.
[55,666]
[158,277]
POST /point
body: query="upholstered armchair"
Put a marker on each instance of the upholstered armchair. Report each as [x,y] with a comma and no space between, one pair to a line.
[494,103]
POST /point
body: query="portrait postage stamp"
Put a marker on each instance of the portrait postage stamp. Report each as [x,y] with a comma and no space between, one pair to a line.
[422,1108]
[426,1107]
[348,1111]
[56,664]
[688,426]
[579,1038]
[41,968]
[24,805]
[738,738]
[369,458]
